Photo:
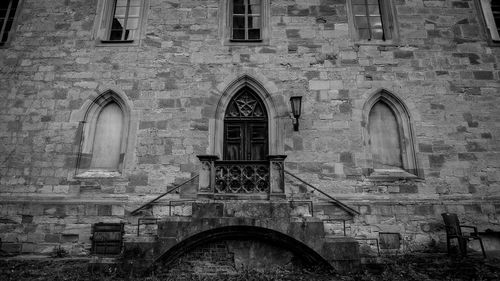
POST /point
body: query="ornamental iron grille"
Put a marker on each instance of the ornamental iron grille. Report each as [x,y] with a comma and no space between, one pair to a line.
[245,168]
[242,177]
[246,105]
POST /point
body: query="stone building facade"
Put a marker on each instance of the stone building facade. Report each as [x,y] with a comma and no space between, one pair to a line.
[399,121]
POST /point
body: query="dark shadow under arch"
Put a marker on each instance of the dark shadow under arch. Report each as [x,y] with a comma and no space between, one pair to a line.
[243,232]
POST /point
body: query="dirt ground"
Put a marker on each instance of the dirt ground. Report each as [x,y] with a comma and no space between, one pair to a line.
[407,268]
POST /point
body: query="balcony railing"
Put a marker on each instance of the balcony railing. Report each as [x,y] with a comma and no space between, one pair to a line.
[241,177]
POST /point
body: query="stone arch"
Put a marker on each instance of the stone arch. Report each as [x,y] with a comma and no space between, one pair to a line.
[274,108]
[242,232]
[405,129]
[88,116]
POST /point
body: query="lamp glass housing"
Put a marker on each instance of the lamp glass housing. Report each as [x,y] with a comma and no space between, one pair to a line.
[296,103]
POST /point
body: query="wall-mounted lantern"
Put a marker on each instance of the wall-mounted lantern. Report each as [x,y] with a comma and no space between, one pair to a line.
[296,103]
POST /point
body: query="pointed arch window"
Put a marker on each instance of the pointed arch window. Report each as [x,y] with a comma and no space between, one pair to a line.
[9,10]
[389,137]
[245,127]
[104,137]
[107,138]
[385,139]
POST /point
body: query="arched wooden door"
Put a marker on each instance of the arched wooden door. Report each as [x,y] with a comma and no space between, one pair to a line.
[245,128]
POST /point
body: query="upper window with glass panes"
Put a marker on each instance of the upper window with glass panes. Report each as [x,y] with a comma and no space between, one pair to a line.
[121,20]
[8,11]
[246,20]
[491,19]
[373,19]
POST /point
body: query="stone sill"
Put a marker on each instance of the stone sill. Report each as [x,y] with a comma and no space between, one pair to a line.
[387,43]
[98,174]
[391,175]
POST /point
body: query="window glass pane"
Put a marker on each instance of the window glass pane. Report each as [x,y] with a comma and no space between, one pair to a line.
[254,10]
[134,11]
[4,5]
[375,22]
[234,132]
[377,34]
[495,10]
[135,3]
[384,137]
[121,3]
[361,22]
[239,9]
[373,9]
[132,23]
[107,139]
[5,36]
[254,34]
[120,12]
[359,10]
[117,23]
[364,33]
[117,30]
[238,21]
[253,22]
[491,12]
[239,34]
[2,13]
[115,35]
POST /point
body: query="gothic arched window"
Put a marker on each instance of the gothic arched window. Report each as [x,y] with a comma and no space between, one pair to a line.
[385,140]
[245,127]
[107,138]
[389,137]
[104,134]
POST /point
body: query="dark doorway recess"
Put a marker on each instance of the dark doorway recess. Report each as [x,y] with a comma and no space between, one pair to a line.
[246,127]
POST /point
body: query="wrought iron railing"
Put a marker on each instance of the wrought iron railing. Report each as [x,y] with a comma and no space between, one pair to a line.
[149,203]
[241,177]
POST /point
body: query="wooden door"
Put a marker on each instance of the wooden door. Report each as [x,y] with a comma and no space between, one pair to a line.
[245,140]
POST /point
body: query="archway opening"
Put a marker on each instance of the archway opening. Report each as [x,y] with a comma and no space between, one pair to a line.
[235,248]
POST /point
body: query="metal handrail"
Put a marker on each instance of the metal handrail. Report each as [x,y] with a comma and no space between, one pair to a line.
[342,205]
[159,197]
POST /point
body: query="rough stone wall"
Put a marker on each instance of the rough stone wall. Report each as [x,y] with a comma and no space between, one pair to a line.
[441,67]
[233,255]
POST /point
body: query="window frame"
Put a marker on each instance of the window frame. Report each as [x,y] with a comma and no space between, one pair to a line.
[15,20]
[484,24]
[226,30]
[104,20]
[389,23]
[410,165]
[87,117]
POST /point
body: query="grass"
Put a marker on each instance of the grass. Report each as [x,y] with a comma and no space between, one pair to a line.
[404,268]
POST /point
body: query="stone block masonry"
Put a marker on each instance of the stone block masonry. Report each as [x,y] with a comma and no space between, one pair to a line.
[439,65]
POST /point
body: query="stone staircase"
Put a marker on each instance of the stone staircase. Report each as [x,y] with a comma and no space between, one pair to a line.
[316,232]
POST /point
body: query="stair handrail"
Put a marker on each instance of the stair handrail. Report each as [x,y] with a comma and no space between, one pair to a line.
[342,205]
[159,197]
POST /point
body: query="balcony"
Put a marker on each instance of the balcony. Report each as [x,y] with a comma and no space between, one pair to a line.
[241,179]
